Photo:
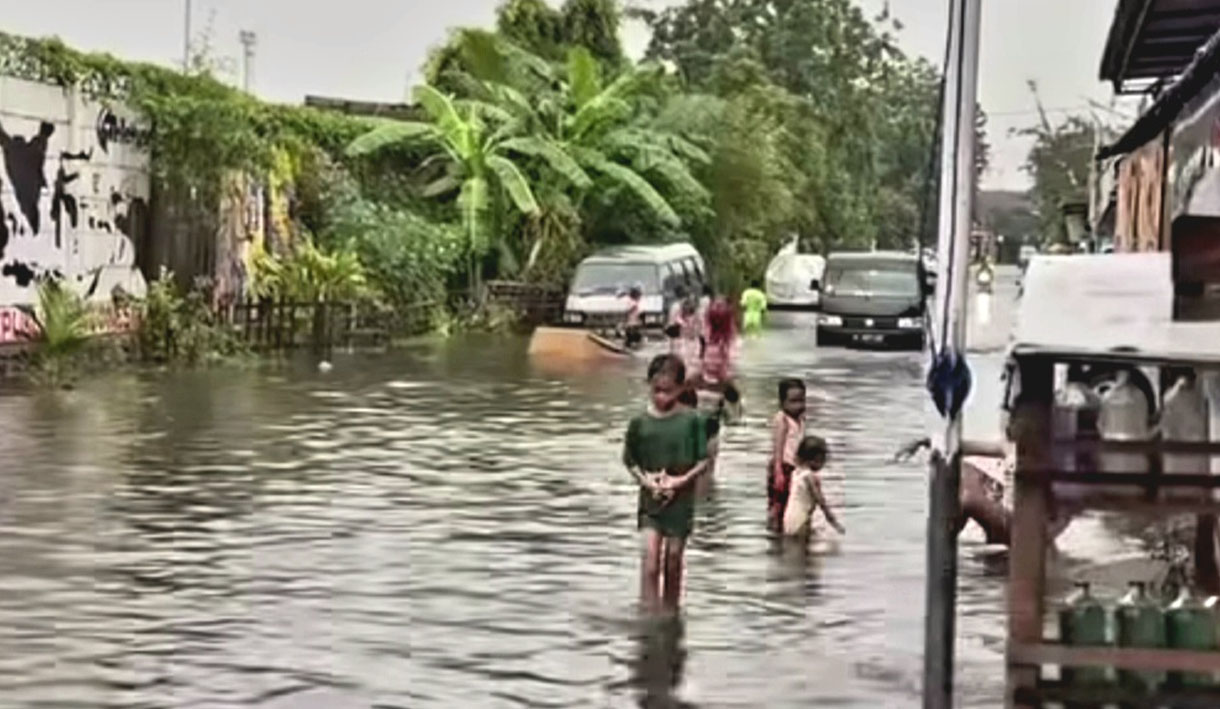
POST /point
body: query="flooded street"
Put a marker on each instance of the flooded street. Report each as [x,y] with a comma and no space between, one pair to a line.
[451,526]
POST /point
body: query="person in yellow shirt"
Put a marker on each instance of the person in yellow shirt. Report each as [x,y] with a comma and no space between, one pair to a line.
[753,305]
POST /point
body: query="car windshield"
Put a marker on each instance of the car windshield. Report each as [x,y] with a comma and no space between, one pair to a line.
[610,277]
[894,279]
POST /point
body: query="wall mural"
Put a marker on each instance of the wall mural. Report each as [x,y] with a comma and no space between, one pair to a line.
[74,194]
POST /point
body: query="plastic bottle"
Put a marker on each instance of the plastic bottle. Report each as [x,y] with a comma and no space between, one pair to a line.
[1124,417]
[1073,417]
[1190,626]
[1139,622]
[1184,418]
[1082,623]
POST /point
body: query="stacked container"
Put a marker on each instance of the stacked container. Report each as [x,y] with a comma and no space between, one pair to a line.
[1124,417]
[1184,418]
[1082,623]
[1190,626]
[1139,622]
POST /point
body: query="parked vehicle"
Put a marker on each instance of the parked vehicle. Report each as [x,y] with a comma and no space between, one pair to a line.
[597,297]
[875,298]
[794,280]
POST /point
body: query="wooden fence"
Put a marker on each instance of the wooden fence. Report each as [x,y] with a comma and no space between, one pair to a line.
[270,325]
[537,305]
[273,325]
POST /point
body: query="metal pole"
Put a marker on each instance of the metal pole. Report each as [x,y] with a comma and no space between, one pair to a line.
[186,38]
[248,40]
[956,210]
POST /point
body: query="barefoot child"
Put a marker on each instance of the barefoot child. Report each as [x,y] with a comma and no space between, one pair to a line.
[788,428]
[806,495]
[665,451]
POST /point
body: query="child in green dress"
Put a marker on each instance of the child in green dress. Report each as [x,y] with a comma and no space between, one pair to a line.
[753,305]
[665,451]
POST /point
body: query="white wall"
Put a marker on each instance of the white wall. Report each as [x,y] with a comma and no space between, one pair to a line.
[60,149]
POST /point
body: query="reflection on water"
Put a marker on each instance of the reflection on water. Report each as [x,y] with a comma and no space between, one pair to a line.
[450,526]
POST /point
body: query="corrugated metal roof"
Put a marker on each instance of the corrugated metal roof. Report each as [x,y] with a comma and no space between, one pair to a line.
[1202,71]
[1108,306]
[1153,41]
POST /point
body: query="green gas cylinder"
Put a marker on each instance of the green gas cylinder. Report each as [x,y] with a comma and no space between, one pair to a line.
[1139,622]
[1082,622]
[1190,626]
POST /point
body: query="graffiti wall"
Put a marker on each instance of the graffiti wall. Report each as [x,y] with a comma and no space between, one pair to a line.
[74,194]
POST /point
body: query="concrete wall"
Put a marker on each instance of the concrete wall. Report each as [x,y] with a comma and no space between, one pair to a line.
[74,194]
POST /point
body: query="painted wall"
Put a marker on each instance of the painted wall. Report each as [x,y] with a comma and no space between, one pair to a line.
[74,194]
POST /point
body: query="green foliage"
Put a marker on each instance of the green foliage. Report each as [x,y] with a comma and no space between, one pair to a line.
[470,136]
[181,327]
[310,275]
[64,324]
[533,25]
[855,116]
[1059,162]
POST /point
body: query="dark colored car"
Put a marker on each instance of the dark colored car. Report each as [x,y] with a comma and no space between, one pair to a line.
[874,298]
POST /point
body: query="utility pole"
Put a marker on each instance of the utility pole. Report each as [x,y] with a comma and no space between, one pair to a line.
[248,39]
[186,38]
[957,179]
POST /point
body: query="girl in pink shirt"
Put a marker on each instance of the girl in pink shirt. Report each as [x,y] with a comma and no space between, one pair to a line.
[788,429]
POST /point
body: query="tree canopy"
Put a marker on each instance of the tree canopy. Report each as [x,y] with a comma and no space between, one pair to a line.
[748,122]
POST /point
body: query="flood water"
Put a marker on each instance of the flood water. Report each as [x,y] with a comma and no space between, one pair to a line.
[450,526]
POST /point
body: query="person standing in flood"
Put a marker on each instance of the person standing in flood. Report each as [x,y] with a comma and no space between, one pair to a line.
[665,451]
[719,351]
[633,322]
[685,342]
[753,305]
[788,429]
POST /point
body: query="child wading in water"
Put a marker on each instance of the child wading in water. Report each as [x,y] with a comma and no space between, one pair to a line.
[632,324]
[805,496]
[666,452]
[754,303]
[788,428]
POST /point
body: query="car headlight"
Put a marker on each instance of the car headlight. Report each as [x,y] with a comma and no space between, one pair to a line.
[910,323]
[831,321]
[571,317]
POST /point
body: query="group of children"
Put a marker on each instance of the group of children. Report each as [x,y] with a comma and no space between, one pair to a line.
[671,447]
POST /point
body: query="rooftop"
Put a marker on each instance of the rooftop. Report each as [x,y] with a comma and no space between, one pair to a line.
[1153,41]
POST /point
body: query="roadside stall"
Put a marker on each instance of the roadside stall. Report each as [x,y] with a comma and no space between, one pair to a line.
[1115,407]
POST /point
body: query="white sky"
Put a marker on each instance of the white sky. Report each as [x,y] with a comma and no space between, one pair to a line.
[370,49]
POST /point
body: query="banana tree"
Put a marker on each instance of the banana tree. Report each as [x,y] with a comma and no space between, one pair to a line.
[474,140]
[591,133]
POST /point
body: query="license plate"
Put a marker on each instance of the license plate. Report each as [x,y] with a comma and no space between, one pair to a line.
[870,339]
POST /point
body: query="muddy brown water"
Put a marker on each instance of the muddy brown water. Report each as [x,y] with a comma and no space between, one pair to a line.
[449,526]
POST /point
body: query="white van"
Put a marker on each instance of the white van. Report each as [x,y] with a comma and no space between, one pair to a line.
[597,297]
[794,280]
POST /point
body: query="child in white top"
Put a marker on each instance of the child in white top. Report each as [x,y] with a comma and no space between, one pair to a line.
[805,493]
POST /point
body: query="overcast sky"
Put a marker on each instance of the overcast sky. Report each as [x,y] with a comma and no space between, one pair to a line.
[370,49]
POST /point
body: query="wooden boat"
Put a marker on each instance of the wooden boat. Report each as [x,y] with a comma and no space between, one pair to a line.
[574,345]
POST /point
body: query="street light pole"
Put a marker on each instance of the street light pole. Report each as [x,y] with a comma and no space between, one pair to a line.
[957,181]
[186,38]
[248,39]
